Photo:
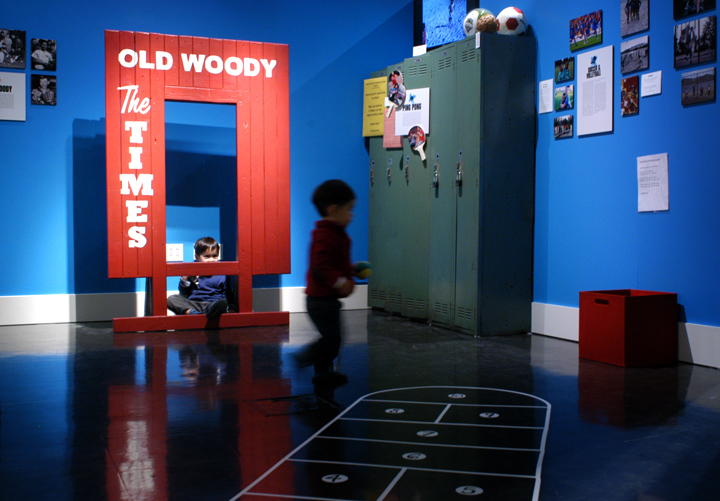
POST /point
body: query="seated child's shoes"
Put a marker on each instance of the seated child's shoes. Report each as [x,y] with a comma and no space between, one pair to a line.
[217,308]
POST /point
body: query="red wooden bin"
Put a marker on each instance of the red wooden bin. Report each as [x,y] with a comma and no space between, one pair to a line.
[629,328]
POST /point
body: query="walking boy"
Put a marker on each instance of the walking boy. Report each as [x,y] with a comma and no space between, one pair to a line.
[198,295]
[329,277]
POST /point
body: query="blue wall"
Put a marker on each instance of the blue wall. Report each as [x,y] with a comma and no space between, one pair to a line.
[588,233]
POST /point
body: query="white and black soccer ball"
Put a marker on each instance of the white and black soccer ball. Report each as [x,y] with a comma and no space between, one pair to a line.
[511,21]
[470,22]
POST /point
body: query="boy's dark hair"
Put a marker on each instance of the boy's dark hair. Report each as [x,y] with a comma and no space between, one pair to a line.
[205,244]
[332,192]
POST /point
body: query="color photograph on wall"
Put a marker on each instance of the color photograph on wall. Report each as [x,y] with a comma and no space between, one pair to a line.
[685,8]
[630,96]
[586,31]
[563,127]
[565,98]
[565,70]
[43,54]
[695,42]
[635,55]
[43,90]
[12,49]
[698,86]
[634,16]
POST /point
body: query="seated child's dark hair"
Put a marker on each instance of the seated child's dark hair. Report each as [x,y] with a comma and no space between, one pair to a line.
[205,244]
[332,192]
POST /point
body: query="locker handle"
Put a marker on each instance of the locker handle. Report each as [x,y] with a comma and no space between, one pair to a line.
[435,177]
[389,175]
[458,176]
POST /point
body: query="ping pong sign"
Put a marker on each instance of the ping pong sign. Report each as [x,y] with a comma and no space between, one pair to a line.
[142,71]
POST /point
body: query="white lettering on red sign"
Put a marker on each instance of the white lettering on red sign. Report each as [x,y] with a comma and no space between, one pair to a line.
[233,66]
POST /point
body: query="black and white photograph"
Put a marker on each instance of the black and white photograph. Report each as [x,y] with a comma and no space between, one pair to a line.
[696,42]
[565,70]
[630,96]
[43,89]
[686,8]
[586,31]
[698,86]
[634,16]
[635,55]
[563,127]
[12,49]
[43,54]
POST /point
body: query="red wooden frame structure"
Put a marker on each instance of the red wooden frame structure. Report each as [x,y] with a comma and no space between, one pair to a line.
[142,71]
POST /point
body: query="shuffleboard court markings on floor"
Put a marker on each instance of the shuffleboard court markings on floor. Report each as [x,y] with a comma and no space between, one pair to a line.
[440,446]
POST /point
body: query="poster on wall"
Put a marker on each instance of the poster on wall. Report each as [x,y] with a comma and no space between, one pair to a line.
[685,8]
[12,96]
[635,55]
[652,179]
[43,54]
[586,31]
[695,42]
[415,111]
[12,49]
[565,98]
[595,91]
[43,90]
[563,127]
[630,96]
[565,70]
[698,86]
[634,16]
[373,106]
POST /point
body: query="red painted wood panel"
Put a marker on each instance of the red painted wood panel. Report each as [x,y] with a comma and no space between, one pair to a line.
[216,49]
[171,47]
[185,46]
[113,151]
[144,80]
[257,162]
[282,76]
[267,52]
[175,322]
[201,79]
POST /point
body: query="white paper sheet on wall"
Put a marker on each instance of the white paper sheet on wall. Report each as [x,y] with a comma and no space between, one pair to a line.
[652,176]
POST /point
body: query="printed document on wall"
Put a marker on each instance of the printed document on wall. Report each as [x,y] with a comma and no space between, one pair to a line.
[595,91]
[652,176]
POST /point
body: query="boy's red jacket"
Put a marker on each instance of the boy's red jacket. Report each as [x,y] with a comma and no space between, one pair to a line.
[329,259]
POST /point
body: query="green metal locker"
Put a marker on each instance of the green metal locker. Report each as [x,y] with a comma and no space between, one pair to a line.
[442,159]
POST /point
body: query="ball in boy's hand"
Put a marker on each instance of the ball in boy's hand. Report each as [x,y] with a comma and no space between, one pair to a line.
[362,269]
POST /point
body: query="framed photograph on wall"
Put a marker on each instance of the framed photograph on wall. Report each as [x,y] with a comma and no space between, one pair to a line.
[565,70]
[695,42]
[634,16]
[563,127]
[12,49]
[685,8]
[635,55]
[630,96]
[586,31]
[565,98]
[43,54]
[43,89]
[698,86]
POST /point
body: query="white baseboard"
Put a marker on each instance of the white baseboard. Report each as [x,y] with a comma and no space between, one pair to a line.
[697,344]
[70,308]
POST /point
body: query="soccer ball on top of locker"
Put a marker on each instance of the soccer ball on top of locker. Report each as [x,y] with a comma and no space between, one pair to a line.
[511,21]
[471,21]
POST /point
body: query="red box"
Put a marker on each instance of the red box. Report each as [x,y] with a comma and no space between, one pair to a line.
[629,328]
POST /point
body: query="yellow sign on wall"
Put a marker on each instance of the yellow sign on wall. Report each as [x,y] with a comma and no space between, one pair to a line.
[373,106]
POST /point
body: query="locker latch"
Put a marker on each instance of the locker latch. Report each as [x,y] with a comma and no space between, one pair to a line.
[458,176]
[435,176]
[372,173]
[389,175]
[407,175]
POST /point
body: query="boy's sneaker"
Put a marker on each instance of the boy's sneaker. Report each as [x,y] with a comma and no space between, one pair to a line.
[217,308]
[329,377]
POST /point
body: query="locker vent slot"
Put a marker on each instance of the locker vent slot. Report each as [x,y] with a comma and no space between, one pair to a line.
[395,299]
[441,308]
[415,304]
[468,55]
[445,63]
[420,69]
[378,295]
[465,313]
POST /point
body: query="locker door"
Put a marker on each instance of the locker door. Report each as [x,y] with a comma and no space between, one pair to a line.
[467,155]
[441,166]
[415,213]
[395,202]
[377,282]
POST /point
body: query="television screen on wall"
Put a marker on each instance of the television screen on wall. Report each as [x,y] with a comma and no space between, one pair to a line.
[440,22]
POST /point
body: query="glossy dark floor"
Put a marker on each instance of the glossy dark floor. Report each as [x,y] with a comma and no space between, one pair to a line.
[88,415]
